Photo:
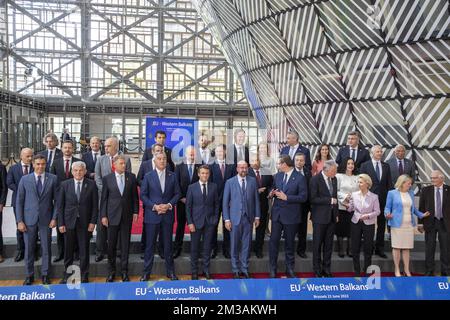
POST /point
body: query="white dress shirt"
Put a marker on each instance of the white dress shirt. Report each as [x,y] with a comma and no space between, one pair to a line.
[118,176]
[42,177]
[293,150]
[201,186]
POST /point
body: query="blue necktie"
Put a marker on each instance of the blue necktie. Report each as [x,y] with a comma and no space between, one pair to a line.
[121,185]
[378,171]
[353,154]
[50,154]
[39,186]
[284,182]
[190,171]
[438,205]
[244,198]
[78,191]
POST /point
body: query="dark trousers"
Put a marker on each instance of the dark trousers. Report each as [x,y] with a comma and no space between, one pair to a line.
[79,236]
[166,237]
[226,238]
[442,234]
[102,236]
[289,230]
[381,228]
[206,233]
[362,232]
[181,224]
[19,236]
[1,234]
[261,229]
[302,231]
[60,243]
[323,235]
[30,238]
[121,234]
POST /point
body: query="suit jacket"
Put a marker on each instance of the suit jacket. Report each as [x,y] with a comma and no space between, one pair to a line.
[88,159]
[216,177]
[394,205]
[146,167]
[199,212]
[182,174]
[116,207]
[289,211]
[232,200]
[198,156]
[103,168]
[382,187]
[307,174]
[14,175]
[301,149]
[426,203]
[32,208]
[361,157]
[371,206]
[408,168]
[322,211]
[149,155]
[151,194]
[266,182]
[59,168]
[58,154]
[3,185]
[246,155]
[69,208]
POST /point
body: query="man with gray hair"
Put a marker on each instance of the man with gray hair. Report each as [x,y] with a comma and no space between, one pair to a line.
[380,174]
[399,165]
[324,216]
[436,200]
[77,207]
[103,167]
[294,147]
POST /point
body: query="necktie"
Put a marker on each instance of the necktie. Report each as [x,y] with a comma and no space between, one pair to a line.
[95,157]
[244,198]
[113,167]
[121,185]
[222,170]
[438,205]
[49,161]
[353,154]
[258,178]
[330,186]
[162,180]
[240,157]
[378,171]
[284,182]
[67,169]
[190,171]
[25,170]
[39,185]
[204,192]
[78,191]
[400,167]
[302,172]
[292,153]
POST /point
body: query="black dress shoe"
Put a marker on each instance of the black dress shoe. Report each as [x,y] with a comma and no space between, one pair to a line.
[145,277]
[172,277]
[45,280]
[99,258]
[327,274]
[214,254]
[429,274]
[318,274]
[236,275]
[302,255]
[290,274]
[76,257]
[110,277]
[161,255]
[444,274]
[259,255]
[227,255]
[85,279]
[176,253]
[28,281]
[19,257]
[64,279]
[142,256]
[246,275]
[194,277]
[273,274]
[58,258]
[207,276]
[125,277]
[357,274]
[381,254]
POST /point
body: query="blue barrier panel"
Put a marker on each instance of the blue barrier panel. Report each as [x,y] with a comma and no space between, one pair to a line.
[414,288]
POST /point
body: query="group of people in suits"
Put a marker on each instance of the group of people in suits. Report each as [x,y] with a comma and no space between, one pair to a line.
[348,198]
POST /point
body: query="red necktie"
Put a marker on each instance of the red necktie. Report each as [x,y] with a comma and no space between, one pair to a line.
[67,169]
[113,167]
[222,170]
[25,170]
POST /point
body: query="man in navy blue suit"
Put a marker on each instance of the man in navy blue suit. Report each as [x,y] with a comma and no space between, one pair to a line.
[202,213]
[15,173]
[294,147]
[290,191]
[353,150]
[240,211]
[90,157]
[220,173]
[159,193]
[160,137]
[52,152]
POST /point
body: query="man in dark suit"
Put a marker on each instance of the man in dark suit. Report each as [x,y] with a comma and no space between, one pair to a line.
[15,173]
[160,137]
[380,174]
[61,168]
[202,213]
[52,152]
[264,183]
[240,212]
[436,200]
[119,209]
[220,173]
[3,194]
[240,150]
[35,208]
[400,165]
[289,191]
[300,167]
[353,150]
[324,215]
[90,158]
[294,147]
[159,193]
[186,173]
[77,206]
[65,136]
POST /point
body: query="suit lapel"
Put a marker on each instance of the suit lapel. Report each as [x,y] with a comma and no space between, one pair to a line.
[325,184]
[44,187]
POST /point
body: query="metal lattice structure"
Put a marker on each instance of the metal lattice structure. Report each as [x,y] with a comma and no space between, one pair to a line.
[324,68]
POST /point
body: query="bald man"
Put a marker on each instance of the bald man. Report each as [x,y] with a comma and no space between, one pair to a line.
[16,172]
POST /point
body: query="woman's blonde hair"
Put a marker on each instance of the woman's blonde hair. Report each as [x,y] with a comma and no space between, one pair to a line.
[401,180]
[366,178]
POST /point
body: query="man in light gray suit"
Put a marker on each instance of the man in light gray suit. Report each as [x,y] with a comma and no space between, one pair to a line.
[400,165]
[36,213]
[103,167]
[241,210]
